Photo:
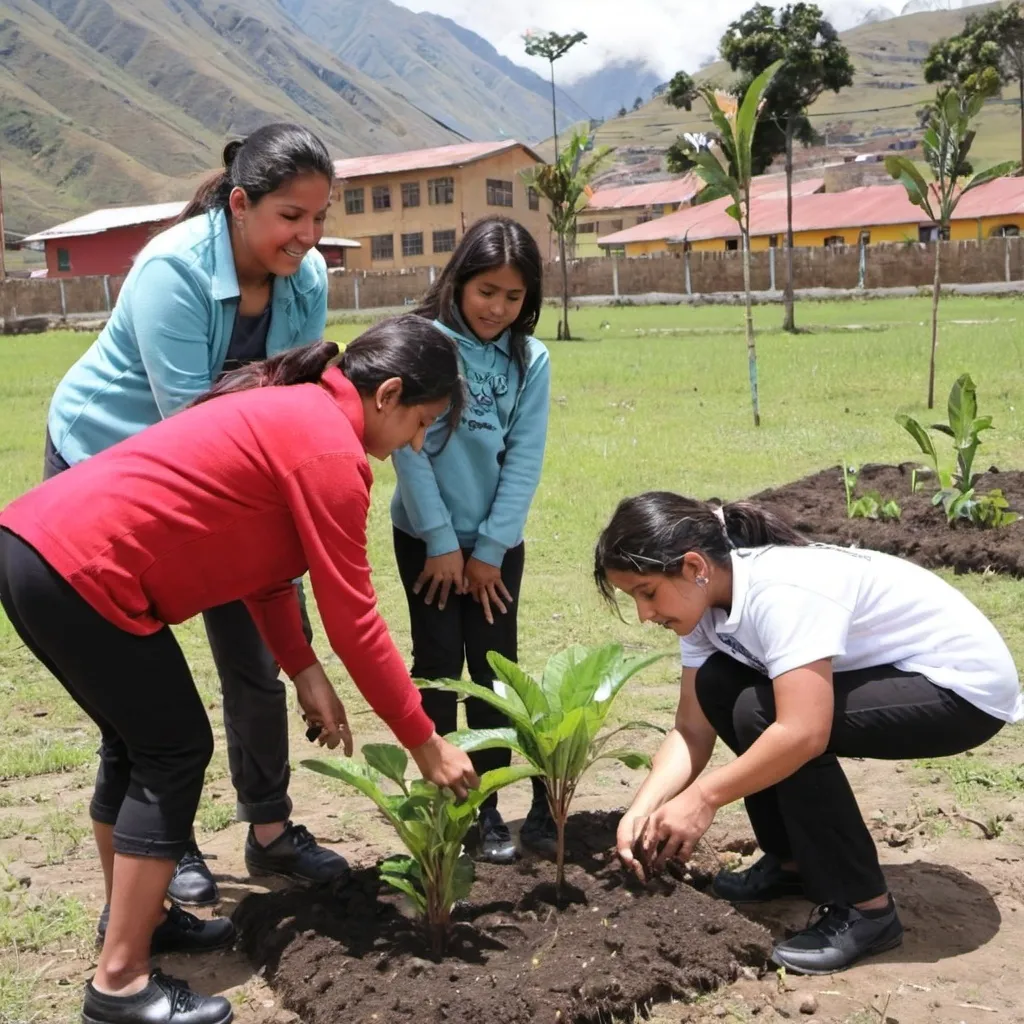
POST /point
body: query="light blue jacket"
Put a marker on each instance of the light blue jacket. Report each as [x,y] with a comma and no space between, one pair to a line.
[475,491]
[168,335]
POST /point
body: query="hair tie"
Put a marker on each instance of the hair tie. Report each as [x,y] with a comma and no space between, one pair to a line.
[719,513]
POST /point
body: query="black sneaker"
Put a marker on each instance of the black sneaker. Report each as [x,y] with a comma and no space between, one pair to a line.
[840,937]
[164,1000]
[496,843]
[181,932]
[192,885]
[766,879]
[296,855]
[539,833]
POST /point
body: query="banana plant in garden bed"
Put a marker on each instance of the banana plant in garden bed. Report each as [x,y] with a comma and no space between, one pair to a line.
[556,721]
[957,488]
[870,505]
[437,872]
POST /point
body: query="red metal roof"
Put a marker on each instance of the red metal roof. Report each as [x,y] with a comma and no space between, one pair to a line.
[871,205]
[653,193]
[98,221]
[424,159]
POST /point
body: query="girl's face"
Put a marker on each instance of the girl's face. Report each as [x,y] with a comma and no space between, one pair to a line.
[277,231]
[492,301]
[673,602]
[389,425]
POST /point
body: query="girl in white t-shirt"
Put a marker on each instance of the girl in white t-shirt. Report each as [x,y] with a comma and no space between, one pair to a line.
[796,655]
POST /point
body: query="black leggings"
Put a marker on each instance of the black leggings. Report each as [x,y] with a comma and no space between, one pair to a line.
[444,641]
[812,816]
[155,735]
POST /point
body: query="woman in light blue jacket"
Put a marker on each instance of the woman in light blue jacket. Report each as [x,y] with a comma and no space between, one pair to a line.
[237,279]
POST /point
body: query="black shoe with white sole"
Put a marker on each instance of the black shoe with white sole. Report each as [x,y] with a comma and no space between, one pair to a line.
[496,843]
[192,884]
[181,932]
[840,937]
[164,1000]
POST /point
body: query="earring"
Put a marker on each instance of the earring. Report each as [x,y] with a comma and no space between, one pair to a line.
[701,581]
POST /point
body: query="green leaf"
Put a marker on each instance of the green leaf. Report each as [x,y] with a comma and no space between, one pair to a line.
[512,709]
[920,435]
[630,758]
[403,874]
[625,671]
[962,408]
[462,877]
[472,740]
[910,178]
[525,687]
[361,777]
[491,782]
[942,428]
[390,760]
[1003,170]
[734,211]
[746,120]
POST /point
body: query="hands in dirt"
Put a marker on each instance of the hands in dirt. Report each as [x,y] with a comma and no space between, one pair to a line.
[444,573]
[646,843]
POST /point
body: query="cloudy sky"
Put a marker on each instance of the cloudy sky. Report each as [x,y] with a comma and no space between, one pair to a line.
[668,34]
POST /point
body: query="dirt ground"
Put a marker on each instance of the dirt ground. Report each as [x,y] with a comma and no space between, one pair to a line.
[961,897]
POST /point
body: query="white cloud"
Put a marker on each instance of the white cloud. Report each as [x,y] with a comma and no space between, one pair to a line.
[666,34]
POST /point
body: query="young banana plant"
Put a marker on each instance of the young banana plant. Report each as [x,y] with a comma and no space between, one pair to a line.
[436,872]
[556,722]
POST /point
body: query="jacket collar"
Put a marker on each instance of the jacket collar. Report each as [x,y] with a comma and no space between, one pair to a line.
[461,331]
[345,396]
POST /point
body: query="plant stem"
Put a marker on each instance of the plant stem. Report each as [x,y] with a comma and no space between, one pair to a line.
[936,289]
[751,348]
[789,322]
[563,330]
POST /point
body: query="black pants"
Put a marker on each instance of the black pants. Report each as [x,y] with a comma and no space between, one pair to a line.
[444,641]
[812,817]
[156,738]
[255,705]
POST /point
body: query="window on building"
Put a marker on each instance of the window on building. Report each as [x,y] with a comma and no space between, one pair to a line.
[834,241]
[382,197]
[63,260]
[732,244]
[643,218]
[412,244]
[928,233]
[354,200]
[865,238]
[499,193]
[533,198]
[773,241]
[410,194]
[615,250]
[441,192]
[1006,231]
[587,229]
[444,241]
[382,247]
[616,225]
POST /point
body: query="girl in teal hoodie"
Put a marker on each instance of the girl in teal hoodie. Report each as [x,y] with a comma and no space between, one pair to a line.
[461,504]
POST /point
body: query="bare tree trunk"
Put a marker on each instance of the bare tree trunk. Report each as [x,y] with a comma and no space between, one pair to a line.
[789,322]
[1020,84]
[554,112]
[936,288]
[563,327]
[751,348]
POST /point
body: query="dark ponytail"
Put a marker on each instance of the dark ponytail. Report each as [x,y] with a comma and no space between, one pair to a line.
[489,244]
[651,534]
[408,347]
[260,164]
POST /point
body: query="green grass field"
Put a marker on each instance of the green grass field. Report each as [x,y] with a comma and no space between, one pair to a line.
[652,398]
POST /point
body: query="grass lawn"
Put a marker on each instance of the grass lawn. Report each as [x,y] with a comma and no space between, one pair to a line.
[652,398]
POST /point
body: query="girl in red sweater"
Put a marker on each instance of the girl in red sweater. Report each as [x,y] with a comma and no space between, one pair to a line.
[232,499]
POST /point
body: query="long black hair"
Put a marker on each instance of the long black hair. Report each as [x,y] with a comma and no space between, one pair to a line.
[425,359]
[651,533]
[491,243]
[260,164]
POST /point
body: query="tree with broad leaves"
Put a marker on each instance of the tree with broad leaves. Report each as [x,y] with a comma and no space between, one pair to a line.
[681,93]
[552,46]
[814,61]
[566,186]
[947,143]
[736,122]
[984,57]
[638,102]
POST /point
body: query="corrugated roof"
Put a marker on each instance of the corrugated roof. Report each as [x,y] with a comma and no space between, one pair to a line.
[339,243]
[98,221]
[653,193]
[423,159]
[687,219]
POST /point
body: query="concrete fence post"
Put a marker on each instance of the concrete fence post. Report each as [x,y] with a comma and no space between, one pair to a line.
[771,268]
[686,272]
[355,289]
[63,298]
[106,290]
[615,276]
[430,275]
[862,265]
[1006,256]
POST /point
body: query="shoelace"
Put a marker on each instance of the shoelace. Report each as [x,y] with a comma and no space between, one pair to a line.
[180,996]
[300,836]
[182,919]
[191,857]
[832,919]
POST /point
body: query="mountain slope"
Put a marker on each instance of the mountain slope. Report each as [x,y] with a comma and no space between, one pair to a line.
[420,56]
[121,101]
[603,92]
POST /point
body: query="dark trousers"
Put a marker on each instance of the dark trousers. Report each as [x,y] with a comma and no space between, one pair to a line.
[812,817]
[155,735]
[444,641]
[255,706]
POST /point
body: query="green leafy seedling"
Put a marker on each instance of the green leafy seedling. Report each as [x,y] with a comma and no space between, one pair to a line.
[436,872]
[557,721]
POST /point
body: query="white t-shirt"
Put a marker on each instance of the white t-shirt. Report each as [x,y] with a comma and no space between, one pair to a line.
[795,605]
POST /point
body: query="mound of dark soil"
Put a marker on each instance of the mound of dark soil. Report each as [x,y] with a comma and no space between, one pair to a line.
[354,955]
[816,505]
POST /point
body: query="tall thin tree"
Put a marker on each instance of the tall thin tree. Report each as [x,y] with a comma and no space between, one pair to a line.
[552,46]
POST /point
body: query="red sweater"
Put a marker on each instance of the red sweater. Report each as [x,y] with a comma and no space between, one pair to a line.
[233,499]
